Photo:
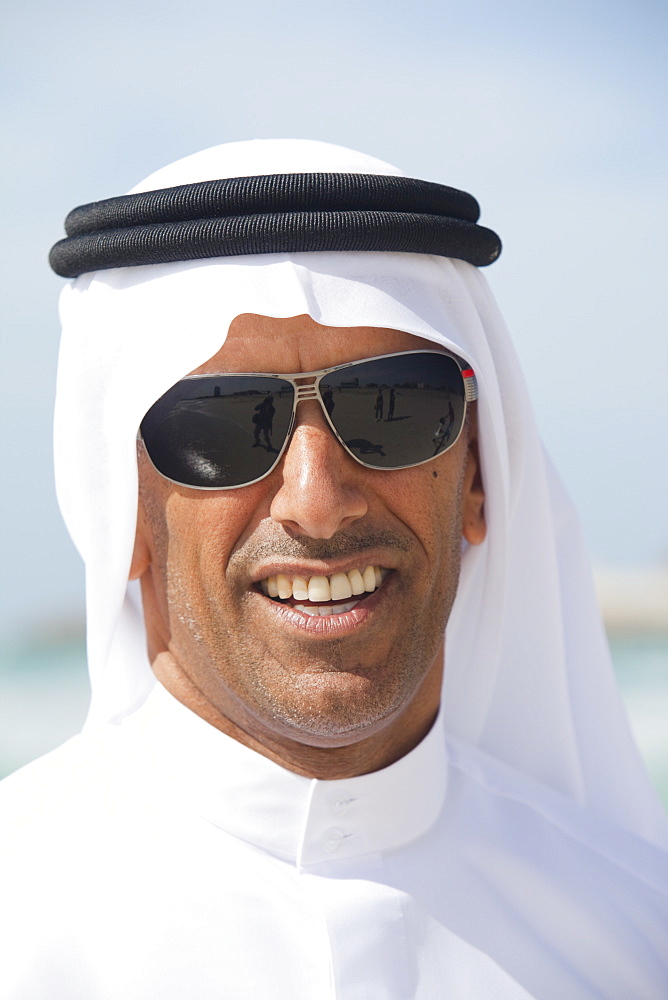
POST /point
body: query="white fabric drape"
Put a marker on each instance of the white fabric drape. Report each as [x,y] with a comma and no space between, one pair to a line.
[528,677]
[159,859]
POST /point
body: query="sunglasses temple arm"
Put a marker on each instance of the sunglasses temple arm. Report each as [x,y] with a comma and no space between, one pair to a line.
[470,385]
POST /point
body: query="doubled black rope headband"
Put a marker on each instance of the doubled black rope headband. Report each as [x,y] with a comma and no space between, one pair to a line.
[274,213]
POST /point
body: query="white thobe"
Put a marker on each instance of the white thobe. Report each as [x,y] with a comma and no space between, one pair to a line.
[160,859]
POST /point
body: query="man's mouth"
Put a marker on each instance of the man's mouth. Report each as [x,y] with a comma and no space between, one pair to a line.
[324,595]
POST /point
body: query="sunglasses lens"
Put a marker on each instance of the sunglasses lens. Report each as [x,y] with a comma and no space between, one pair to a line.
[399,411]
[219,432]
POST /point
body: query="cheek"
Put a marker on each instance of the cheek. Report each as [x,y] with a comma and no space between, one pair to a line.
[429,501]
[202,531]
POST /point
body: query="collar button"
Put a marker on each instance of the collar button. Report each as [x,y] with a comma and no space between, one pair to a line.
[332,839]
[341,804]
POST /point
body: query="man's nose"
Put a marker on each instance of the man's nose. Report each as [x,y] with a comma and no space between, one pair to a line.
[320,491]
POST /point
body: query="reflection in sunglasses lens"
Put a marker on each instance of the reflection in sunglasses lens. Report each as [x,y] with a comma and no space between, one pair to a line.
[396,411]
[219,431]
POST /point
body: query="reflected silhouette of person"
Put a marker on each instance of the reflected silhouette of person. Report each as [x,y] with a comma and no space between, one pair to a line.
[263,419]
[390,408]
[444,429]
[379,405]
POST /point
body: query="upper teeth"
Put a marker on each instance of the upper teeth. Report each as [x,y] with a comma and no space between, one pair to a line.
[337,587]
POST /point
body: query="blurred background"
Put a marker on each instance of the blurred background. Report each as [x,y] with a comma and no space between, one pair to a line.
[552,115]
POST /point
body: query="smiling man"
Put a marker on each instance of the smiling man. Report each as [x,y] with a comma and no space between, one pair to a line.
[303,614]
[354,730]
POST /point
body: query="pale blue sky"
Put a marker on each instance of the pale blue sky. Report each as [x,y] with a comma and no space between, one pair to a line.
[552,115]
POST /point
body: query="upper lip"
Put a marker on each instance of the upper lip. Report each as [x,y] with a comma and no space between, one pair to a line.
[318,567]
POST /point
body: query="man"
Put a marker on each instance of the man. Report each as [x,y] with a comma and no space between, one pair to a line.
[379,405]
[263,418]
[303,791]
[390,408]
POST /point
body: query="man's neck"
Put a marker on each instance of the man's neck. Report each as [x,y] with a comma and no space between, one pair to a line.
[345,757]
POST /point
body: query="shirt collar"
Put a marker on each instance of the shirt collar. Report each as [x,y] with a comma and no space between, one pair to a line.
[304,820]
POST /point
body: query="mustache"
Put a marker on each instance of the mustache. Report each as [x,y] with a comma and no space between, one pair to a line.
[342,545]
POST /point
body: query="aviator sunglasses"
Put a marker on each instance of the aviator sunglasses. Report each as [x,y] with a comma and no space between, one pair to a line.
[220,432]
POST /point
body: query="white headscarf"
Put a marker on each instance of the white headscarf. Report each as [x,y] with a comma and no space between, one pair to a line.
[528,677]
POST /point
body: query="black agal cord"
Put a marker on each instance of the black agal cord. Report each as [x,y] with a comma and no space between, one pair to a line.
[274,213]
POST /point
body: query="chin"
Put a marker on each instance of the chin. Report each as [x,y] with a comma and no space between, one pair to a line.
[335,709]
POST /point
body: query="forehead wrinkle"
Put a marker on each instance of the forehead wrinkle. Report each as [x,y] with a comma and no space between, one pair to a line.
[300,344]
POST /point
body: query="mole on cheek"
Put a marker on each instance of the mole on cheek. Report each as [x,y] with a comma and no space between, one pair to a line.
[435,475]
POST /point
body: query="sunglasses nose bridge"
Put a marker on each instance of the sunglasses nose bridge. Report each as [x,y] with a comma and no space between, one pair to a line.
[303,392]
[308,390]
[311,392]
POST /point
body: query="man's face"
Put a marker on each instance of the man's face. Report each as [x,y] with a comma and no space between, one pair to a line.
[362,682]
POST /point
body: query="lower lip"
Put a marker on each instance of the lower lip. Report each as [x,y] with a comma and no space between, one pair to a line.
[326,626]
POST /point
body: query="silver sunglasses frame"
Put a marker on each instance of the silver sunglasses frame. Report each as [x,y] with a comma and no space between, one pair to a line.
[312,391]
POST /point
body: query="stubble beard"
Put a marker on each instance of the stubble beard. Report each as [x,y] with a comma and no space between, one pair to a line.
[322,691]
